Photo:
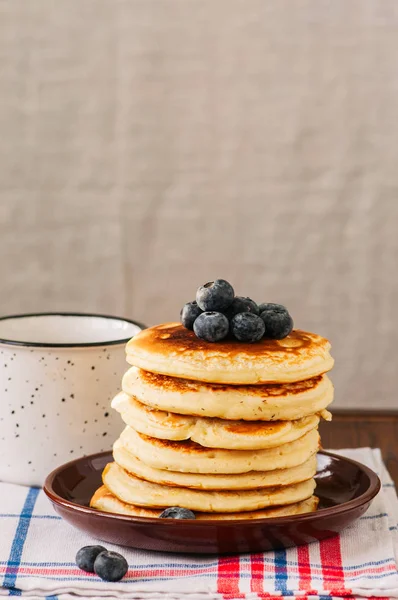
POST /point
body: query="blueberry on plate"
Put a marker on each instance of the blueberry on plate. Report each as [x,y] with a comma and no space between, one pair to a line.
[241,305]
[278,324]
[215,296]
[247,327]
[189,313]
[271,306]
[110,566]
[175,512]
[211,326]
[86,556]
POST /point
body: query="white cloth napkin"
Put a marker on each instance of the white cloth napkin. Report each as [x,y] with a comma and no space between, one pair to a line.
[37,551]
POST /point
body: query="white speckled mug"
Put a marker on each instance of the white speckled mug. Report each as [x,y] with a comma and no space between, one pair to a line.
[58,374]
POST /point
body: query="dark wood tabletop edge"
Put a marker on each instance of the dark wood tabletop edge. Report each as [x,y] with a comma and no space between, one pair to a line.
[351,413]
[353,428]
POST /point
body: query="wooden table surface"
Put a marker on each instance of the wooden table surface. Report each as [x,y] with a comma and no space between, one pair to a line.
[353,429]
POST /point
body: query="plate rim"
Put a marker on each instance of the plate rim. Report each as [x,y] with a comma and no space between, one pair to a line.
[364,498]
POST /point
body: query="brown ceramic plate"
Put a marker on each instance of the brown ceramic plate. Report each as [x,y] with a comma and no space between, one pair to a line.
[345,489]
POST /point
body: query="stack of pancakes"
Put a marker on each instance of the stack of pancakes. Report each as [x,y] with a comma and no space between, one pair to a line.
[227,429]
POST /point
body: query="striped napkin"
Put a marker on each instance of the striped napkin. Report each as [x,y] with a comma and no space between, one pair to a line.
[37,552]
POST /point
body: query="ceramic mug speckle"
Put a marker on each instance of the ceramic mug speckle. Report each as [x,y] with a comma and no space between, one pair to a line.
[58,374]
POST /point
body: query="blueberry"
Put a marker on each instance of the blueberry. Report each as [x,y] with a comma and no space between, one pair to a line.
[278,324]
[211,326]
[216,295]
[110,566]
[189,313]
[271,306]
[175,512]
[86,556]
[247,327]
[241,305]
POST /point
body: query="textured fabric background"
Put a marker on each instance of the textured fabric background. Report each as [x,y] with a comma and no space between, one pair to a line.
[147,146]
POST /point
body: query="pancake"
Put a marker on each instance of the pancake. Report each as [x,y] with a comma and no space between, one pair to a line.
[136,491]
[171,349]
[210,432]
[200,481]
[189,457]
[251,403]
[107,502]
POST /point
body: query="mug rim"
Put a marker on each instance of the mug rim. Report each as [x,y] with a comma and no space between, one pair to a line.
[141,326]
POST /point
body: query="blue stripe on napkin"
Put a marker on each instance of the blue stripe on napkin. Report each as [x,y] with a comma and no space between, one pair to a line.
[281,572]
[14,560]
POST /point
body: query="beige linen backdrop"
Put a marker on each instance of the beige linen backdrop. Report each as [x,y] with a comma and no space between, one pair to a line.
[147,146]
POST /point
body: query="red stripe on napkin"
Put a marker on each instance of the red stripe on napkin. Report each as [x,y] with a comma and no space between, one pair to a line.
[228,577]
[257,573]
[304,569]
[333,579]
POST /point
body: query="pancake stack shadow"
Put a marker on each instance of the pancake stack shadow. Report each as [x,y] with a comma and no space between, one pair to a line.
[227,430]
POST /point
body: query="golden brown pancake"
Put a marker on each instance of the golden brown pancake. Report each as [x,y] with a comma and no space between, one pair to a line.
[171,349]
[133,490]
[107,502]
[205,481]
[210,432]
[268,402]
[189,457]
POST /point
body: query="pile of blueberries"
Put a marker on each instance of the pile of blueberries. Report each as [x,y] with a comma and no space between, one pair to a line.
[217,314]
[108,565]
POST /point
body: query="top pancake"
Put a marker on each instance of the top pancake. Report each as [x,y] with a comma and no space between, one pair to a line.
[171,349]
